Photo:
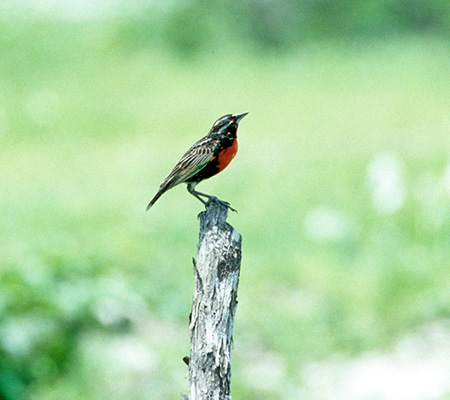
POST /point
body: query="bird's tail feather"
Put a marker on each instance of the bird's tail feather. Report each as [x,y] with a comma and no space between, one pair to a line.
[157,196]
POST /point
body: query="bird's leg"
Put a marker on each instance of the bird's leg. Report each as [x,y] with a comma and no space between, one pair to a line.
[191,190]
[195,193]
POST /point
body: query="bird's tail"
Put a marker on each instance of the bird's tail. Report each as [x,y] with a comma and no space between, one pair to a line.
[157,196]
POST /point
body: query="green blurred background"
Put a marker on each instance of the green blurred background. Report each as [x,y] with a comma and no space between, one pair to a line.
[342,183]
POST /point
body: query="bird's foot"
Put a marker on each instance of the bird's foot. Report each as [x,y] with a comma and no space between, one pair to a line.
[221,202]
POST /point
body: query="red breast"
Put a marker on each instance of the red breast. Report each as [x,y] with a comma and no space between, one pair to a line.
[226,155]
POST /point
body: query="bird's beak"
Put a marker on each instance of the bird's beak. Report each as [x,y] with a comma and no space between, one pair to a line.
[238,117]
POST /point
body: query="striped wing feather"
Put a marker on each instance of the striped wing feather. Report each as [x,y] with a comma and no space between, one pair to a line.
[195,159]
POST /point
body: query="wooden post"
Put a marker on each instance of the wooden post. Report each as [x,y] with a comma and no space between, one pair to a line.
[216,278]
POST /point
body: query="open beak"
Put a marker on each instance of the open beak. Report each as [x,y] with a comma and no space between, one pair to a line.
[238,117]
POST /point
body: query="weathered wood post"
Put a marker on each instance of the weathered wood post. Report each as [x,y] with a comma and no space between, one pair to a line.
[216,278]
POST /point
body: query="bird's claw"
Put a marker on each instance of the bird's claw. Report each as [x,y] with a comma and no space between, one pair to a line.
[221,202]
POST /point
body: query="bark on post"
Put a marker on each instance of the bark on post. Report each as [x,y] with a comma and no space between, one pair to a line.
[216,278]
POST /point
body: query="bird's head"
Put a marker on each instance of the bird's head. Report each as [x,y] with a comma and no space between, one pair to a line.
[226,125]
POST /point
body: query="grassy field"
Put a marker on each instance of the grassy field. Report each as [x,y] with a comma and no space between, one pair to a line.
[342,183]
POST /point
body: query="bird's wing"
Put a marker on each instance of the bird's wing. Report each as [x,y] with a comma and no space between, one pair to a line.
[195,159]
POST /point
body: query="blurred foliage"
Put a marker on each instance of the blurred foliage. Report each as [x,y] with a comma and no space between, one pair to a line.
[93,113]
[188,27]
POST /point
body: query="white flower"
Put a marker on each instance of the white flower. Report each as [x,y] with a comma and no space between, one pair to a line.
[386,183]
[326,224]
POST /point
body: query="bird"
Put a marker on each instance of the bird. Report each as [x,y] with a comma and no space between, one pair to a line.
[206,158]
